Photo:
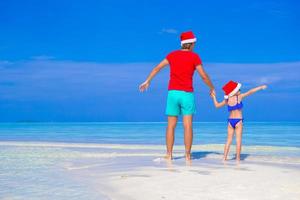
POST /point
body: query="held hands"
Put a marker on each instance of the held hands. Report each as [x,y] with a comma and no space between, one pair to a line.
[144,86]
[212,93]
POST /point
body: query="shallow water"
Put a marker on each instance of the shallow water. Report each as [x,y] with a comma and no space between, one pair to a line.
[255,133]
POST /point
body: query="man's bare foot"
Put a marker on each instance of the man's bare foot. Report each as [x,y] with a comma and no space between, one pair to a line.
[168,157]
[224,159]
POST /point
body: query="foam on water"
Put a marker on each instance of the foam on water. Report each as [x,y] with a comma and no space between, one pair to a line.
[133,146]
[88,150]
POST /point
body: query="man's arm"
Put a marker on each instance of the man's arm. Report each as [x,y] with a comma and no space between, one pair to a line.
[205,78]
[144,86]
[217,104]
[252,91]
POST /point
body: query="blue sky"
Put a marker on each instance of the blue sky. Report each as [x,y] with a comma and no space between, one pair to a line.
[83,60]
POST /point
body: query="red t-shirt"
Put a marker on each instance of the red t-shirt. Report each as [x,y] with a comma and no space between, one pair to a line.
[182,67]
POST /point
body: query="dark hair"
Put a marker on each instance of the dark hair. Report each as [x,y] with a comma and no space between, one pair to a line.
[186,46]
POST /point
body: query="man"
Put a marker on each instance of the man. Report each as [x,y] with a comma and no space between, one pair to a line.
[180,99]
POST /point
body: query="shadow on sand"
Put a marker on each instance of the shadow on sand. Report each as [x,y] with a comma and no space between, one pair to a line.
[203,154]
[198,155]
[243,157]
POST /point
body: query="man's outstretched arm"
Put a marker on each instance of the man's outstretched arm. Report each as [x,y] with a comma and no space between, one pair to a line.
[144,86]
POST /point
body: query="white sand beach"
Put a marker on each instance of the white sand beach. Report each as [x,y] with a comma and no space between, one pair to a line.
[207,181]
[134,172]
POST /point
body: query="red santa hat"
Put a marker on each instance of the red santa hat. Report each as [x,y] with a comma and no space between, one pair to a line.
[187,37]
[231,88]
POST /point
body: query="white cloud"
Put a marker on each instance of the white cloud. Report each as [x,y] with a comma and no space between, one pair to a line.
[282,74]
[39,78]
[268,79]
[42,57]
[43,78]
[169,30]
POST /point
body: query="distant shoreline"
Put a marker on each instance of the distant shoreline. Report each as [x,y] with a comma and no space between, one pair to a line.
[136,122]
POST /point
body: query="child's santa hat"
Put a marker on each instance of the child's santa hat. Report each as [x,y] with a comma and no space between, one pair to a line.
[187,37]
[231,88]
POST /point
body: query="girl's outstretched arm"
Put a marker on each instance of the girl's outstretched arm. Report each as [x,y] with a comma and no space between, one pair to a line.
[217,104]
[144,86]
[253,90]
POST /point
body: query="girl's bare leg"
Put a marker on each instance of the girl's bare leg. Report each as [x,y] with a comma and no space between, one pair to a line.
[172,121]
[230,133]
[238,132]
[188,135]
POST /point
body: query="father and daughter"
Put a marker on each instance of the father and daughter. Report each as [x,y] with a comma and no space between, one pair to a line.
[180,101]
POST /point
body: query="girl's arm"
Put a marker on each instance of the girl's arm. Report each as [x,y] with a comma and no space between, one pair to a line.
[217,104]
[252,91]
[144,86]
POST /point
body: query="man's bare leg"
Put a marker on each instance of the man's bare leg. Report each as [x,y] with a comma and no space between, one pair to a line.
[188,135]
[172,121]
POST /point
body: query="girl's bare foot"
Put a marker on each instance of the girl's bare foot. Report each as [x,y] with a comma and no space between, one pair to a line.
[188,162]
[188,157]
[238,157]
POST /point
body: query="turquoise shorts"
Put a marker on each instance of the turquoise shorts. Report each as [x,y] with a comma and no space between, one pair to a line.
[180,103]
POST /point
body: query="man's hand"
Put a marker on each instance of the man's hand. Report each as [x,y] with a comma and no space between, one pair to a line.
[144,86]
[212,92]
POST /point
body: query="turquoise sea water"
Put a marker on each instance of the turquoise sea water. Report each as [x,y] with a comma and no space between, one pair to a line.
[262,133]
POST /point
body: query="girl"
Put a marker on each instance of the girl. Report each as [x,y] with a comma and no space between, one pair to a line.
[233,100]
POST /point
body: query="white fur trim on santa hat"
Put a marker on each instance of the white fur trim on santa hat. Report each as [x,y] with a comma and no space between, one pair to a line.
[188,41]
[238,87]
